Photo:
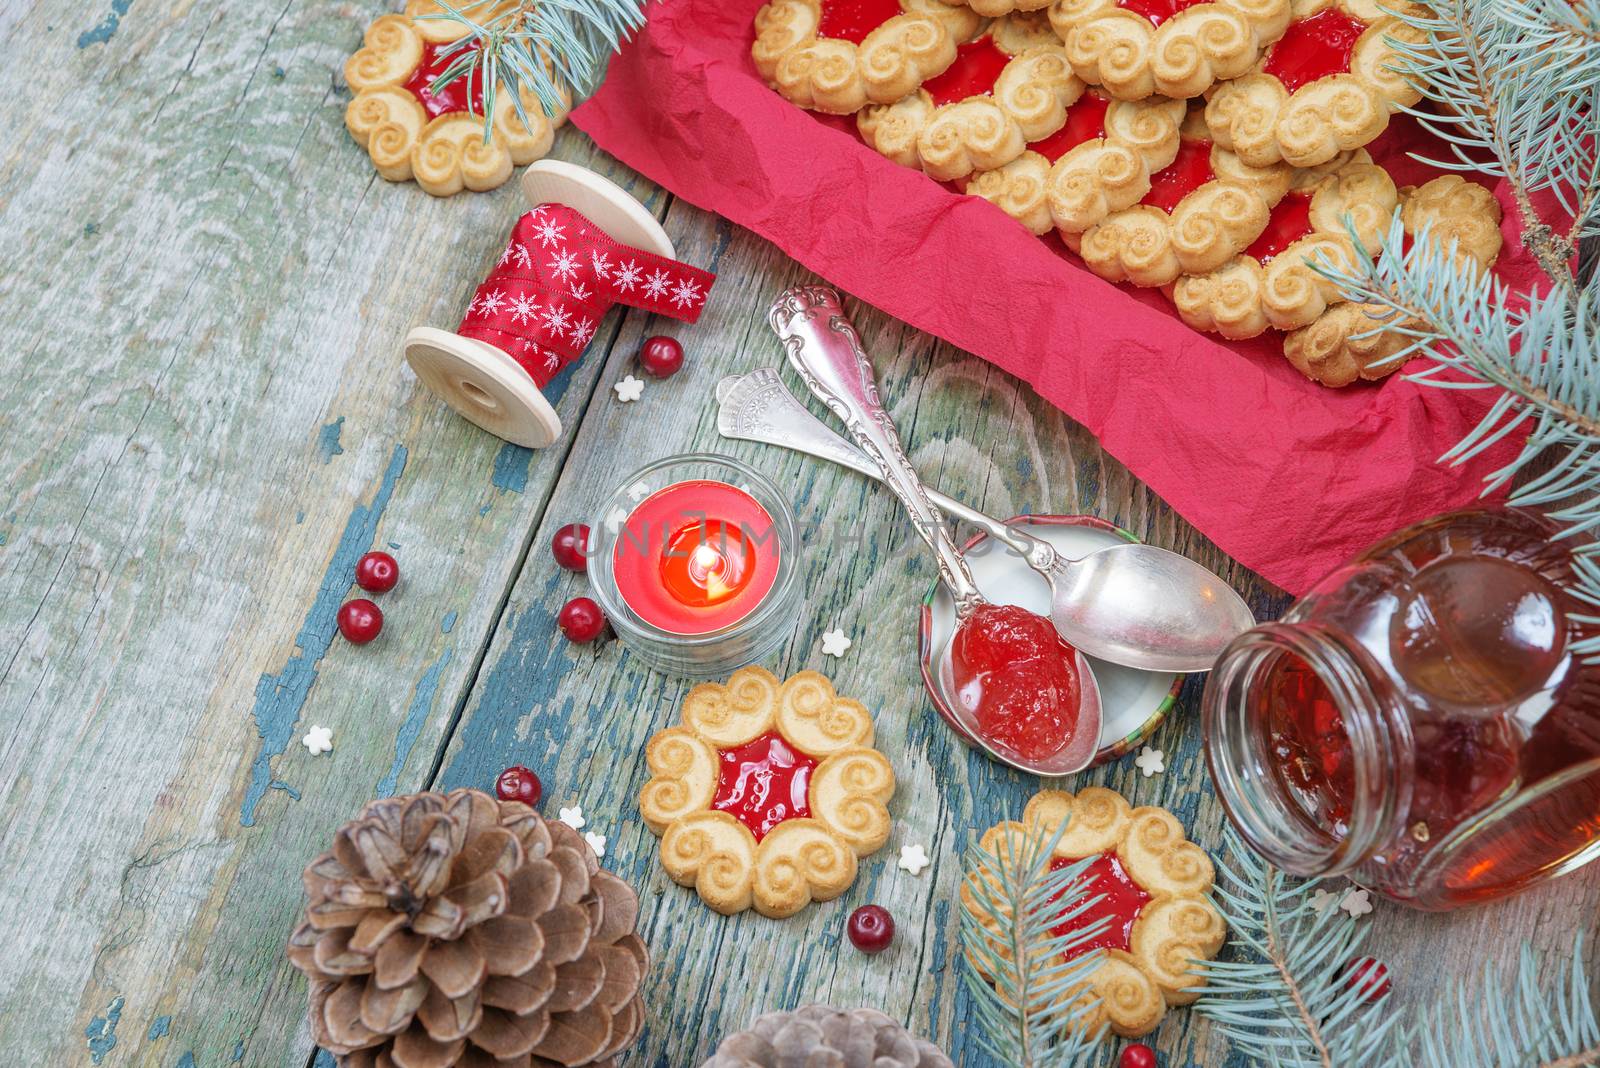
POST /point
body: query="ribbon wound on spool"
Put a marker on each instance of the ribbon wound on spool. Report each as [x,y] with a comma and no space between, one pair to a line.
[556,280]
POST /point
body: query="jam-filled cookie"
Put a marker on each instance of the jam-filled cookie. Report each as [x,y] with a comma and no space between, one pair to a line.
[768,793]
[837,56]
[1327,86]
[1153,885]
[1007,88]
[413,131]
[1177,48]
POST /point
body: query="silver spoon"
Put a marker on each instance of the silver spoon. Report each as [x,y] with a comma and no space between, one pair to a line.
[823,346]
[1137,605]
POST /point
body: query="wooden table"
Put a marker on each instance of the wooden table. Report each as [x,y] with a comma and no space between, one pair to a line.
[207,420]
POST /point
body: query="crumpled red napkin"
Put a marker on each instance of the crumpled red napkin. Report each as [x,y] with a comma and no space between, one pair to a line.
[1288,477]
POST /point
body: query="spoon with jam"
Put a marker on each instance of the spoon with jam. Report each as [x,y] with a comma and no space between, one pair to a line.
[1020,691]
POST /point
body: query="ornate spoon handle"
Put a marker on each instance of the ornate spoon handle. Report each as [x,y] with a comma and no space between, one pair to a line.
[823,347]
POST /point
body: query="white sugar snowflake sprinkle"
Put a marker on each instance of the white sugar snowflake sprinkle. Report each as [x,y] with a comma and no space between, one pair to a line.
[597,842]
[834,643]
[913,858]
[564,265]
[524,308]
[1356,902]
[490,303]
[557,320]
[614,520]
[638,492]
[686,293]
[318,740]
[1323,900]
[601,265]
[1151,761]
[655,287]
[629,389]
[548,231]
[573,817]
[627,276]
[582,331]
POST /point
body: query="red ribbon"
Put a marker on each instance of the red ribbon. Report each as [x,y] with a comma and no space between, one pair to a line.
[556,280]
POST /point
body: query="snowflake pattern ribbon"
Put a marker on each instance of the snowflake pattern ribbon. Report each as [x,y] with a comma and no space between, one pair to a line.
[557,278]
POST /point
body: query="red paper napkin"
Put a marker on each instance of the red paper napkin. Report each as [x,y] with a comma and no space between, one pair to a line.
[1288,477]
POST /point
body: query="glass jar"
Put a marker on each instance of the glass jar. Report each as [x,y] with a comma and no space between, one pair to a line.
[1420,721]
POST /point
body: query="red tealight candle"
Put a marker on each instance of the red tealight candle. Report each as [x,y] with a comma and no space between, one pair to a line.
[696,556]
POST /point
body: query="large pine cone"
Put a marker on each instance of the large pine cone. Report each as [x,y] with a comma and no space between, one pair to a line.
[821,1037]
[455,929]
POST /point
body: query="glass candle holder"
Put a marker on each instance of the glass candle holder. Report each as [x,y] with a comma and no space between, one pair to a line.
[695,560]
[1425,720]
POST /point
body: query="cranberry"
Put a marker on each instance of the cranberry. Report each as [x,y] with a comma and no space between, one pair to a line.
[1137,1055]
[661,356]
[570,546]
[517,783]
[360,621]
[1368,976]
[871,928]
[377,572]
[581,620]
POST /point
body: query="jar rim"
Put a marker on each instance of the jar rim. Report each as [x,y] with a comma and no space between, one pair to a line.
[1244,770]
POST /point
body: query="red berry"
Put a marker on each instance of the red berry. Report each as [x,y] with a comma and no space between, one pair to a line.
[581,620]
[570,546]
[661,356]
[871,928]
[360,621]
[1137,1055]
[1369,976]
[377,572]
[517,783]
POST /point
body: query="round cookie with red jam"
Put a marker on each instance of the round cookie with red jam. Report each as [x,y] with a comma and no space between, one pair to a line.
[836,56]
[413,130]
[768,793]
[1327,86]
[1200,211]
[1272,283]
[1361,342]
[1007,88]
[1177,48]
[1153,886]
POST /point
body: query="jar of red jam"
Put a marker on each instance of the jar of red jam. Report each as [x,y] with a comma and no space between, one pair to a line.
[1424,720]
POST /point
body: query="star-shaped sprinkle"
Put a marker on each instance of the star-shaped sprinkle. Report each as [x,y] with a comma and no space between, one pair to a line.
[1150,761]
[318,740]
[597,842]
[913,858]
[573,817]
[834,643]
[629,389]
[1356,902]
[1323,900]
[638,492]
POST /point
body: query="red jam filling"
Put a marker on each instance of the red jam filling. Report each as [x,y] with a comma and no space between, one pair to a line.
[1289,222]
[1157,11]
[1086,120]
[763,783]
[705,563]
[978,64]
[1188,172]
[1018,679]
[1121,903]
[852,20]
[463,94]
[1314,48]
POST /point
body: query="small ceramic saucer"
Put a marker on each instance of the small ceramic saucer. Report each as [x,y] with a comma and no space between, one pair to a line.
[1134,702]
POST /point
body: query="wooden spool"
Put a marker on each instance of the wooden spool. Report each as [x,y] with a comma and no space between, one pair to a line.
[481,381]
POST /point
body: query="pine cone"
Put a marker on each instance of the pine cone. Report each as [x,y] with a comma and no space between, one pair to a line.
[455,929]
[821,1037]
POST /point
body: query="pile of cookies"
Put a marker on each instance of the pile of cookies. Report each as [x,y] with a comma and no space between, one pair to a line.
[1209,148]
